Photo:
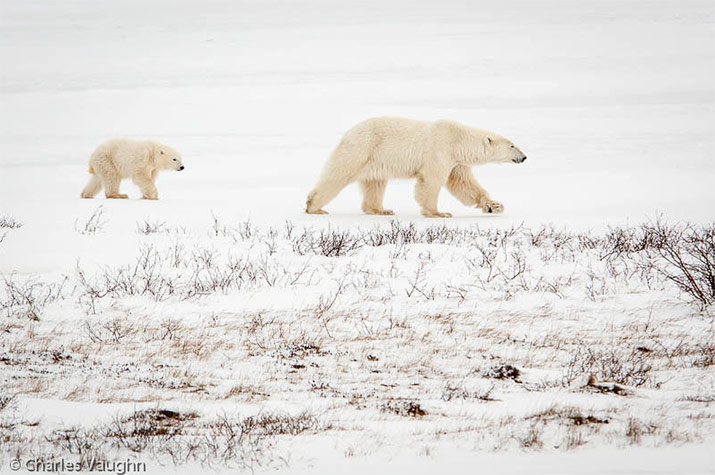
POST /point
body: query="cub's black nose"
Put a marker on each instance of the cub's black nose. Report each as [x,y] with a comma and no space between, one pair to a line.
[181,167]
[522,160]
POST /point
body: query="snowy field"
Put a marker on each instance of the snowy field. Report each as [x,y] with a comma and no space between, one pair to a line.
[221,327]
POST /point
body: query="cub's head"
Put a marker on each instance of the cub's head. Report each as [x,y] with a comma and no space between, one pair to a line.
[166,158]
[498,149]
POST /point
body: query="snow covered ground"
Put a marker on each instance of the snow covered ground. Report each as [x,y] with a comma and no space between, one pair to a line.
[217,302]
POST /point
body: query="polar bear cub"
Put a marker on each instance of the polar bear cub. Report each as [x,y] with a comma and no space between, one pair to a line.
[434,153]
[140,160]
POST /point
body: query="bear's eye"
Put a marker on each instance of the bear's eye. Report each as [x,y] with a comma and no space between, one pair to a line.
[174,159]
[161,152]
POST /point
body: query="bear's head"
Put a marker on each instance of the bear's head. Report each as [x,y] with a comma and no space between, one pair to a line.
[498,149]
[166,158]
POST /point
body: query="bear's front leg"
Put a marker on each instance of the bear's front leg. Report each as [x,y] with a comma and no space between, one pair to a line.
[427,194]
[373,195]
[465,187]
[146,185]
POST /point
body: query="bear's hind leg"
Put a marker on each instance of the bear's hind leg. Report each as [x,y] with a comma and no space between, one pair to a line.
[111,187]
[323,193]
[339,174]
[93,187]
[343,167]
[373,195]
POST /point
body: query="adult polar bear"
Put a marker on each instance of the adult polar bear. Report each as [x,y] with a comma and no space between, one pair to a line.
[435,153]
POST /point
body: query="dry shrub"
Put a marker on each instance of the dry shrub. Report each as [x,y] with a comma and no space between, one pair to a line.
[404,408]
[619,366]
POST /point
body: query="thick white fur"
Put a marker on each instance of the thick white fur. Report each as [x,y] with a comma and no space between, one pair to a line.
[140,160]
[434,153]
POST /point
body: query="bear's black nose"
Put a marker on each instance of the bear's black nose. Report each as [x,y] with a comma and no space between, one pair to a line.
[522,160]
[181,167]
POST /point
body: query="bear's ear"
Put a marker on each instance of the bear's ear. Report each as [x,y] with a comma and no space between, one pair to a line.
[161,151]
[487,140]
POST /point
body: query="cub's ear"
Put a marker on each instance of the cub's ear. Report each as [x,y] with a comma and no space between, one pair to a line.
[161,151]
[487,140]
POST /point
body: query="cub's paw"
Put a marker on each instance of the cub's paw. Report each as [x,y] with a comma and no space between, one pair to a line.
[380,212]
[150,197]
[493,207]
[315,211]
[437,214]
[118,196]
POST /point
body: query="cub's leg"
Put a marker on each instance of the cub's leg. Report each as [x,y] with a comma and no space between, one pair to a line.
[426,194]
[373,195]
[146,184]
[101,164]
[462,184]
[111,180]
[93,187]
